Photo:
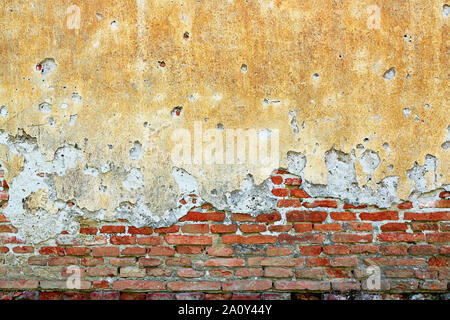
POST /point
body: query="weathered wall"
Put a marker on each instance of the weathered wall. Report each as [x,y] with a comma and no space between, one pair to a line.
[96,97]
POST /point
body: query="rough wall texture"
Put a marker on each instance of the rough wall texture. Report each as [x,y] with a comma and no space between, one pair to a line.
[99,102]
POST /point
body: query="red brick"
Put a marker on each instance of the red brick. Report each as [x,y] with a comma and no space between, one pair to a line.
[310,250]
[183,262]
[133,251]
[293,181]
[190,250]
[3,218]
[122,262]
[444,194]
[4,249]
[438,237]
[249,272]
[62,261]
[149,262]
[317,262]
[189,240]
[220,273]
[252,228]
[306,216]
[143,230]
[343,216]
[160,296]
[104,295]
[78,251]
[395,261]
[351,237]
[171,229]
[277,180]
[379,216]
[419,226]
[119,240]
[442,203]
[88,230]
[344,262]
[112,229]
[259,239]
[285,203]
[425,249]
[401,237]
[405,205]
[138,285]
[280,228]
[161,251]
[279,251]
[247,285]
[91,262]
[336,249]
[193,286]
[242,217]
[321,203]
[219,252]
[395,250]
[269,217]
[393,226]
[305,237]
[190,273]
[37,261]
[223,228]
[280,192]
[303,227]
[12,239]
[105,252]
[439,262]
[7,228]
[133,296]
[195,228]
[357,226]
[351,206]
[428,216]
[299,193]
[273,272]
[224,262]
[246,296]
[24,249]
[346,286]
[150,241]
[327,227]
[19,284]
[203,216]
[364,249]
[102,272]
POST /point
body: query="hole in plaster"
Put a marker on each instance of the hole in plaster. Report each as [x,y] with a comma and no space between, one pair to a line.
[244,67]
[446,10]
[220,126]
[3,111]
[161,63]
[390,74]
[386,146]
[114,25]
[316,76]
[390,167]
[186,35]
[76,97]
[407,112]
[427,106]
[46,66]
[110,146]
[45,107]
[136,151]
[64,106]
[99,16]
[72,120]
[176,112]
[51,121]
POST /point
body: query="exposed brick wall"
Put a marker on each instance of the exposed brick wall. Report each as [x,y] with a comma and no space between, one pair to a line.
[309,248]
